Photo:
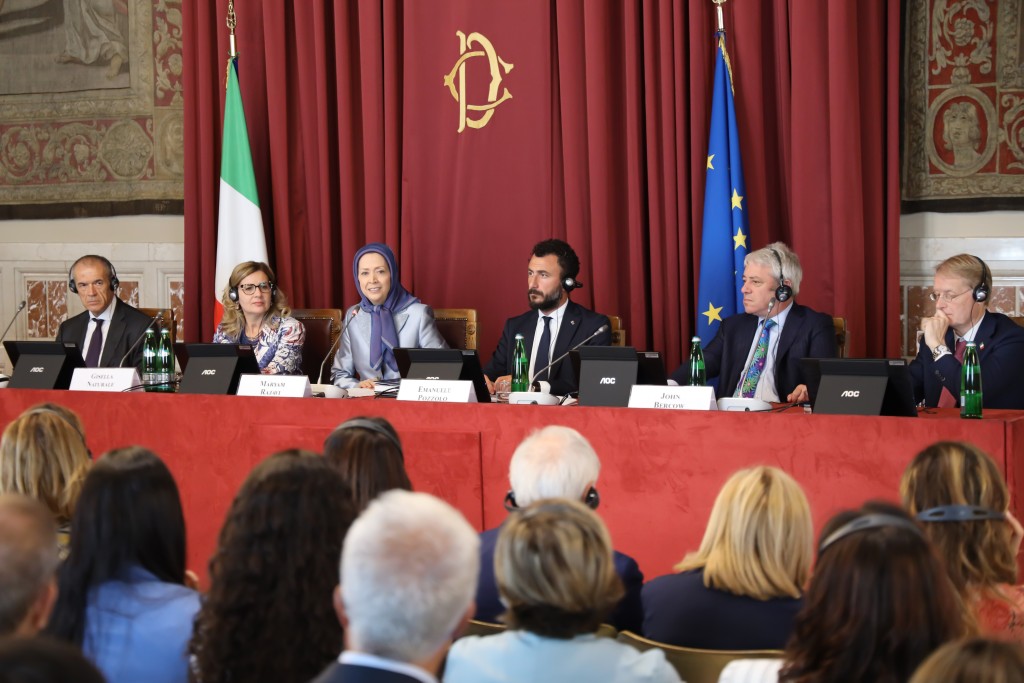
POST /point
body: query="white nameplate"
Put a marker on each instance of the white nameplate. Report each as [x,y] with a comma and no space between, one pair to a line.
[437,390]
[677,398]
[106,379]
[291,386]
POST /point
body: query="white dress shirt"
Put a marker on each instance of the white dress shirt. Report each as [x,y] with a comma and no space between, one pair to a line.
[105,316]
[556,324]
[766,382]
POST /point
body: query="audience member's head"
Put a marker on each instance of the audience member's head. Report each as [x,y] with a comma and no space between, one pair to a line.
[553,462]
[976,660]
[408,576]
[759,537]
[128,516]
[957,493]
[28,565]
[43,455]
[267,615]
[878,604]
[554,568]
[368,453]
[44,660]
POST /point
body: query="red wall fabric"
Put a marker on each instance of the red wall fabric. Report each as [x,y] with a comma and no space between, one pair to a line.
[603,143]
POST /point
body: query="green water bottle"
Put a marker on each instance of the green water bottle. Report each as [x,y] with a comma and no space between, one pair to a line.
[164,368]
[520,366]
[698,374]
[149,360]
[970,383]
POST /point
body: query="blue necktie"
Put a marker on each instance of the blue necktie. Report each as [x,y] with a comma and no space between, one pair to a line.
[757,362]
[543,350]
[92,356]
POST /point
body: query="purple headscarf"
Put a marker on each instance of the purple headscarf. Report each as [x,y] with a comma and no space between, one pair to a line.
[383,335]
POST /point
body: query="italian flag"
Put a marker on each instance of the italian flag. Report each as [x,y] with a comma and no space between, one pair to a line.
[240,234]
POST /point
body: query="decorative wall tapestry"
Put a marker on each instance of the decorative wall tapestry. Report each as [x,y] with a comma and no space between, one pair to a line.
[90,108]
[963,105]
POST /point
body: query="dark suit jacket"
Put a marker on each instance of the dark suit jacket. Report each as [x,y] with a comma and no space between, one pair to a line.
[578,323]
[126,325]
[1001,353]
[806,334]
[350,673]
[629,614]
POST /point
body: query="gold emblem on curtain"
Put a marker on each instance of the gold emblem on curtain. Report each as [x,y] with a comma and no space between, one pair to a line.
[498,68]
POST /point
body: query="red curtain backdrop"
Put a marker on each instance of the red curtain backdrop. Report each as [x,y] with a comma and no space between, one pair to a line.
[603,143]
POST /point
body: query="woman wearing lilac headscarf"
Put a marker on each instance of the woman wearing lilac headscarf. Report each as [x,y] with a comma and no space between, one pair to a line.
[386,317]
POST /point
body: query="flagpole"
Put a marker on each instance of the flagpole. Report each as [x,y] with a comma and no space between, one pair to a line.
[721,20]
[231,25]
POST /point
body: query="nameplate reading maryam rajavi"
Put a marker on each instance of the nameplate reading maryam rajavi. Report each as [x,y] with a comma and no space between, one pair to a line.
[288,386]
[437,391]
[677,398]
[105,379]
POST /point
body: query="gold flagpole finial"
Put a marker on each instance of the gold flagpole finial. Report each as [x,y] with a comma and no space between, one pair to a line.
[231,24]
[721,20]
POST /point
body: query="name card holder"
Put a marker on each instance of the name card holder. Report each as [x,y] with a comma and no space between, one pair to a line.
[672,398]
[285,386]
[437,390]
[105,379]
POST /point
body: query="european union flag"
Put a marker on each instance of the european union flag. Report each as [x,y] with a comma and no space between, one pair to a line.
[724,240]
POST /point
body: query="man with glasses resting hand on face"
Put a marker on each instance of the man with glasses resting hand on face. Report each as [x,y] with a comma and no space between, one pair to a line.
[962,288]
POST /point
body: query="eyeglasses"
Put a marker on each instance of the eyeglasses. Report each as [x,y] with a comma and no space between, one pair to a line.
[251,288]
[946,296]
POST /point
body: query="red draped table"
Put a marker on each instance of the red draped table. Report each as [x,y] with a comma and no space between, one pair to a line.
[660,470]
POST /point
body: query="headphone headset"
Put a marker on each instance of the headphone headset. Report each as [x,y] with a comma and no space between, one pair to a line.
[233,292]
[959,513]
[571,283]
[591,500]
[866,522]
[783,292]
[371,426]
[114,282]
[980,292]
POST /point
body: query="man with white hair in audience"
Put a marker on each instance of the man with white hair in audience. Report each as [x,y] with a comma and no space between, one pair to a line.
[408,572]
[555,462]
[28,565]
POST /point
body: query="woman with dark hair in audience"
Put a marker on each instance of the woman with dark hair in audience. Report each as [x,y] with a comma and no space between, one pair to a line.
[956,491]
[122,590]
[878,604]
[43,455]
[368,454]
[977,660]
[268,613]
[742,589]
[44,660]
[554,568]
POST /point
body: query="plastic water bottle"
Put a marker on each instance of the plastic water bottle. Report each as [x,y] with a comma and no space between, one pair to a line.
[164,368]
[698,375]
[149,360]
[520,366]
[970,383]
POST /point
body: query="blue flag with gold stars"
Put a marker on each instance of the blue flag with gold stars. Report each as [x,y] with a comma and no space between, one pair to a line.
[724,237]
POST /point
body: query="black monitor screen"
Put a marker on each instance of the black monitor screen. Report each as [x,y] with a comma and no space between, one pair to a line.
[447,364]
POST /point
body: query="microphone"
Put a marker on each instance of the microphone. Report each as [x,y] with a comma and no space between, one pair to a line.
[603,328]
[757,334]
[156,319]
[21,307]
[330,351]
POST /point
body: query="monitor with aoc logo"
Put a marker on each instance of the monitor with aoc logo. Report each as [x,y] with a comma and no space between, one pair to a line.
[42,364]
[214,368]
[447,364]
[606,374]
[860,386]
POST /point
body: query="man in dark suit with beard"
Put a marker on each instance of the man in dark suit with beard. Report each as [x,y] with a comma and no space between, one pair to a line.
[108,327]
[756,354]
[553,325]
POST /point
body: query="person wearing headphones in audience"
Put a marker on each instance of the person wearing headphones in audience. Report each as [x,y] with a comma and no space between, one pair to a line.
[256,314]
[961,289]
[553,325]
[386,317]
[756,354]
[108,327]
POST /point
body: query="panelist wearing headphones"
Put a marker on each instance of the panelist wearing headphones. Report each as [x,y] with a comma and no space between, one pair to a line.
[553,325]
[756,354]
[961,290]
[256,314]
[386,317]
[555,462]
[108,327]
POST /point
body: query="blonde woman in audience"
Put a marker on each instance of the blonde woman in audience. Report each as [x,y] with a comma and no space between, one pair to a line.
[742,589]
[878,604]
[555,573]
[43,455]
[956,491]
[978,660]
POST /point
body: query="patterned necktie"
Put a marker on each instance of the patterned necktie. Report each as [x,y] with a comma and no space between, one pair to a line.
[946,399]
[92,356]
[543,350]
[757,362]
